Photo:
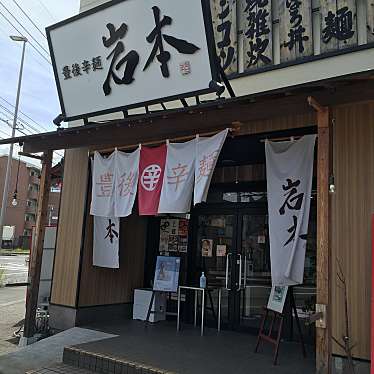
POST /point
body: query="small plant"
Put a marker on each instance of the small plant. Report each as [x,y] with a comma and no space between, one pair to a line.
[345,343]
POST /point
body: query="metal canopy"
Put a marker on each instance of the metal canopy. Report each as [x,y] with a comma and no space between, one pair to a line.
[211,116]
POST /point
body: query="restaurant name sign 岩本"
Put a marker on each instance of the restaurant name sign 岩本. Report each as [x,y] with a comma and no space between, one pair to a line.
[129,53]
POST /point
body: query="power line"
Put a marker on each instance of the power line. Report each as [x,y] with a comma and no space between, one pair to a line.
[24,28]
[9,114]
[32,45]
[25,115]
[47,10]
[36,26]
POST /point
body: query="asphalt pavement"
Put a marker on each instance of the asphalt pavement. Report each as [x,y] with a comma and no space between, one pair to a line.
[12,313]
[15,267]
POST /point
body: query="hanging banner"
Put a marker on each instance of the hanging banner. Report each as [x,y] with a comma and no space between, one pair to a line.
[151,175]
[106,242]
[176,194]
[103,185]
[127,173]
[289,172]
[207,152]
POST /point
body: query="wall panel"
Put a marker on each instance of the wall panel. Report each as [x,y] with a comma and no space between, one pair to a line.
[101,286]
[352,206]
[69,235]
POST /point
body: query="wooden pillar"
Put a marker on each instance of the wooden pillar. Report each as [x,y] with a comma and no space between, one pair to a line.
[37,249]
[323,326]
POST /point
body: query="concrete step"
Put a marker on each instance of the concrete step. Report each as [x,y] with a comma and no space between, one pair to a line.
[60,369]
[99,363]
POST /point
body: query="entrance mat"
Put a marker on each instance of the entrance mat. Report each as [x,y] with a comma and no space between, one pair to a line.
[99,363]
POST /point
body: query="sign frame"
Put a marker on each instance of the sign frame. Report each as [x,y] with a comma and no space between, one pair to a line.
[213,62]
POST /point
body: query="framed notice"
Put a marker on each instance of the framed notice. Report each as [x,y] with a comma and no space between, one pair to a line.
[277,298]
[167,274]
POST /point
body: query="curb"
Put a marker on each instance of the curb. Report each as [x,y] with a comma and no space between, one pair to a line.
[17,284]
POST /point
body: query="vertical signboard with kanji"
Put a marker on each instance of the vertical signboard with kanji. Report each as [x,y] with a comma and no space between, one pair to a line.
[338,24]
[225,33]
[370,21]
[295,29]
[256,21]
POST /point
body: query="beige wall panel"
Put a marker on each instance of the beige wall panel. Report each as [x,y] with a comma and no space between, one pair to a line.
[352,206]
[101,286]
[279,123]
[69,235]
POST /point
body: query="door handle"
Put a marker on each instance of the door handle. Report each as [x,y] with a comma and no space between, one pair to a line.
[227,271]
[245,271]
[240,272]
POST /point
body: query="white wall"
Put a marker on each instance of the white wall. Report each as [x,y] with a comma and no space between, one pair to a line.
[341,65]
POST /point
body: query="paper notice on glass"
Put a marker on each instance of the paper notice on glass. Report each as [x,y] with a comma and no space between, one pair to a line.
[207,247]
[221,250]
[164,241]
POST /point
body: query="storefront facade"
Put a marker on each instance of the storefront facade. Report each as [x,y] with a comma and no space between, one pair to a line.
[273,102]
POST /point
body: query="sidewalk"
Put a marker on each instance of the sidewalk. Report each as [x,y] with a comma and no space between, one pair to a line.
[47,352]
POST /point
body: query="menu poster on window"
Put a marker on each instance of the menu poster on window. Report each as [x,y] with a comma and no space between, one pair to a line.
[164,241]
[183,227]
[166,274]
[277,298]
[182,245]
[173,235]
[221,250]
[173,243]
[207,247]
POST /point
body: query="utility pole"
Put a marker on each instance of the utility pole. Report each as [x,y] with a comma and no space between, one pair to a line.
[14,127]
[37,251]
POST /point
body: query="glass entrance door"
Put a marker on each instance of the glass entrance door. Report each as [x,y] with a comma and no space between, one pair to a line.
[256,277]
[232,249]
[216,243]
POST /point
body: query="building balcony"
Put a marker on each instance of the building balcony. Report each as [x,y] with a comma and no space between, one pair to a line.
[29,225]
[33,195]
[34,180]
[31,209]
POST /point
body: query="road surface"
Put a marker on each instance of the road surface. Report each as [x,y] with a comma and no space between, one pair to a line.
[15,268]
[12,313]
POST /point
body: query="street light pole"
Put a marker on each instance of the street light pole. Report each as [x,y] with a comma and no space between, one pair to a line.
[10,156]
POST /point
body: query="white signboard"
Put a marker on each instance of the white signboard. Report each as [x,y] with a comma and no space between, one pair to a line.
[124,54]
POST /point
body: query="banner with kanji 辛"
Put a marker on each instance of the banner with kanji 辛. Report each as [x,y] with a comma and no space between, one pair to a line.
[177,188]
[103,185]
[207,152]
[289,173]
[106,242]
[151,175]
[126,181]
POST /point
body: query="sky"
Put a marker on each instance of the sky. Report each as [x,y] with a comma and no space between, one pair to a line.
[39,103]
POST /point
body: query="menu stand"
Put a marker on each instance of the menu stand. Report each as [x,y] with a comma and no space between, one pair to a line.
[278,318]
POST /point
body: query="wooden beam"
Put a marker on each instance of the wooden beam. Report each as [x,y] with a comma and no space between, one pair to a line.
[323,331]
[36,157]
[182,122]
[37,249]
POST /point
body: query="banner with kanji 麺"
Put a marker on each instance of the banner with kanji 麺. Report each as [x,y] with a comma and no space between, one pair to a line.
[289,173]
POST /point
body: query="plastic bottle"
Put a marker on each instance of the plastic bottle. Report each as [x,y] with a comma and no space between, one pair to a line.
[203,280]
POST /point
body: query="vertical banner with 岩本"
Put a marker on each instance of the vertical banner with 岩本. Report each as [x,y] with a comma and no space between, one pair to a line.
[289,172]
